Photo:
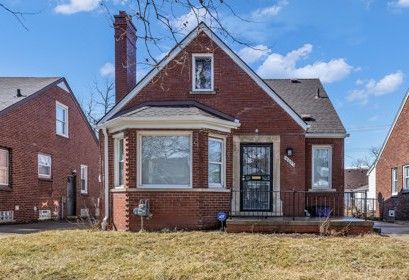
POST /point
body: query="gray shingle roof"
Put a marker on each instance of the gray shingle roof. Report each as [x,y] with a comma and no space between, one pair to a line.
[308,97]
[168,111]
[27,85]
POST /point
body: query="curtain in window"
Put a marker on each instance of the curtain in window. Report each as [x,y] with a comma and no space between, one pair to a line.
[44,165]
[166,160]
[203,73]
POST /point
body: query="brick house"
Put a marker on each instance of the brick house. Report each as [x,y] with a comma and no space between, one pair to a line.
[203,133]
[49,157]
[389,175]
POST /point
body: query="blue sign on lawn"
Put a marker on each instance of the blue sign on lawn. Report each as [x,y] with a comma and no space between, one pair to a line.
[221,216]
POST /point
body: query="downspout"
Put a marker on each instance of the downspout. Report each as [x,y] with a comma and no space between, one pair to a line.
[105,221]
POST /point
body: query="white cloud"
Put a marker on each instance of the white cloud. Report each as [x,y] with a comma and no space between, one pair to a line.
[187,22]
[388,84]
[269,11]
[399,4]
[108,69]
[253,54]
[75,6]
[285,66]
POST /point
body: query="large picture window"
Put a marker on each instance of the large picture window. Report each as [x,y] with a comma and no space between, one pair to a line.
[216,162]
[61,119]
[165,160]
[44,166]
[321,167]
[394,181]
[4,167]
[202,72]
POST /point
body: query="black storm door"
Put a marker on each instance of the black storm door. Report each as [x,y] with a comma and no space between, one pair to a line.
[256,177]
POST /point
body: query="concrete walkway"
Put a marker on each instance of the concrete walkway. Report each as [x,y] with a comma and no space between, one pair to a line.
[399,231]
[16,229]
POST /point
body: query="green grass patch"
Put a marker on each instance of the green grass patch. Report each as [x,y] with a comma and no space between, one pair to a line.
[81,254]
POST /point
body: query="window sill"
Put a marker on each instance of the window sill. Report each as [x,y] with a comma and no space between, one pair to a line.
[202,92]
[405,191]
[5,188]
[322,190]
[84,193]
[62,135]
[45,179]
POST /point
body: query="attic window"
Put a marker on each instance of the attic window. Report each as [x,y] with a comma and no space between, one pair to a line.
[203,72]
[307,118]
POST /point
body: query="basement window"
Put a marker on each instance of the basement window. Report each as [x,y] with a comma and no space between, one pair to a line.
[203,72]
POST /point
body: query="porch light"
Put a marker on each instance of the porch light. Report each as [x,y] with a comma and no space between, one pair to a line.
[289,152]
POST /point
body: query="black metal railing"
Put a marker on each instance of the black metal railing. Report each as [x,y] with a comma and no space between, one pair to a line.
[262,203]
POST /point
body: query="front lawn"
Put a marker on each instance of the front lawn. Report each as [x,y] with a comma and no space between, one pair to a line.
[200,255]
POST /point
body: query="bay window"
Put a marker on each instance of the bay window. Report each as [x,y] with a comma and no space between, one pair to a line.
[215,162]
[394,183]
[165,159]
[119,161]
[321,167]
[4,167]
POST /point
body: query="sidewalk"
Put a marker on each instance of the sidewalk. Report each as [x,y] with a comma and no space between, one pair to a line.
[399,231]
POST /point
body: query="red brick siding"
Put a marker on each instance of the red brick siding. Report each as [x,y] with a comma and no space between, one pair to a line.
[29,129]
[395,154]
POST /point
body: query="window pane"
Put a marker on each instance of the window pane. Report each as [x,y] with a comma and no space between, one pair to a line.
[215,173]
[406,171]
[121,173]
[407,183]
[4,158]
[203,73]
[4,176]
[121,149]
[321,167]
[44,170]
[60,127]
[83,184]
[60,114]
[215,151]
[166,160]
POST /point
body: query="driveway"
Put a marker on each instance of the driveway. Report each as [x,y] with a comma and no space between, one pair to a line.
[16,229]
[399,231]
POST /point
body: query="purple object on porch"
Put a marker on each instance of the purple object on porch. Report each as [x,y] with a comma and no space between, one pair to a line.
[323,212]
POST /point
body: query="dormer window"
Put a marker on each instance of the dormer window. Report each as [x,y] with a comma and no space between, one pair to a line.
[203,72]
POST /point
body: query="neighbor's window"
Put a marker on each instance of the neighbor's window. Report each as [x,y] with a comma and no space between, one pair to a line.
[166,160]
[84,179]
[406,177]
[321,167]
[119,162]
[61,119]
[44,166]
[394,182]
[215,159]
[4,167]
[202,72]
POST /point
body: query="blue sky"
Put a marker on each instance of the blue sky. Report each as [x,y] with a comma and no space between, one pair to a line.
[359,49]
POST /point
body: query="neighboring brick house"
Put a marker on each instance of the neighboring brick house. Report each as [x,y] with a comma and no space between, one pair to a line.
[389,175]
[203,133]
[49,156]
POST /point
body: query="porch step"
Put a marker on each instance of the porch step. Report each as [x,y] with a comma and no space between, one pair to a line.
[348,226]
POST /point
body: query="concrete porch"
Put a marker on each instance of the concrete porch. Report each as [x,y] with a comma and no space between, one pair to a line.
[335,225]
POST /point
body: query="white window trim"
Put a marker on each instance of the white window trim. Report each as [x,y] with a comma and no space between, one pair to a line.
[45,176]
[194,56]
[221,139]
[7,167]
[139,157]
[394,193]
[85,191]
[405,187]
[314,147]
[66,126]
[117,138]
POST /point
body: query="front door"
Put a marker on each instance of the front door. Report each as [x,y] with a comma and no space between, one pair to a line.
[256,177]
[71,196]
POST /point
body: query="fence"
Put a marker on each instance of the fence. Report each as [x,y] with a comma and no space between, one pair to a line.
[262,203]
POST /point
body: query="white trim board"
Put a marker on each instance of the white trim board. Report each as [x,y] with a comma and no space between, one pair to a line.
[405,99]
[186,41]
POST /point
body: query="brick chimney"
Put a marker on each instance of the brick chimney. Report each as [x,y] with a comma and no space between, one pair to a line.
[125,55]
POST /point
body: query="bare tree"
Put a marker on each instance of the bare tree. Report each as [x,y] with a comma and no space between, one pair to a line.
[102,99]
[368,160]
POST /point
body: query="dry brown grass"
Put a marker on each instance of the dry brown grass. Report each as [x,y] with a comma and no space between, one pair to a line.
[82,254]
